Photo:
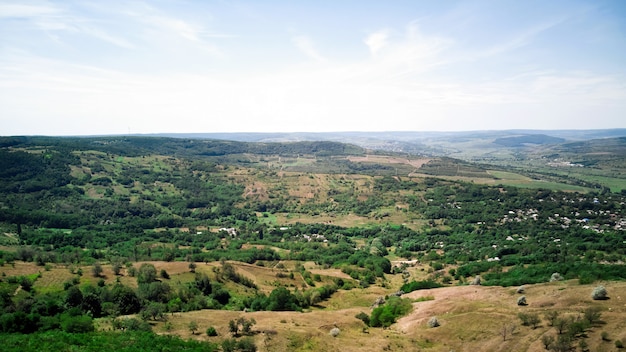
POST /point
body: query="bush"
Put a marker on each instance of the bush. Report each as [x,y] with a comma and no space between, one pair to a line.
[521,301]
[619,344]
[210,331]
[386,315]
[599,293]
[419,285]
[530,319]
[76,324]
[476,281]
[364,317]
[334,332]
[521,289]
[433,322]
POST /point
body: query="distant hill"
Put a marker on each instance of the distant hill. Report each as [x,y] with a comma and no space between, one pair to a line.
[184,147]
[522,141]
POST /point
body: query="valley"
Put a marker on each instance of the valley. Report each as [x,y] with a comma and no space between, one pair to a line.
[292,240]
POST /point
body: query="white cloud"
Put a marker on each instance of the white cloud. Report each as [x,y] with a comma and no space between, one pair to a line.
[26,11]
[306,46]
[412,78]
[377,41]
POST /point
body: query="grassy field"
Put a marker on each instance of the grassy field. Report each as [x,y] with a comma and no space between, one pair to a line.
[471,317]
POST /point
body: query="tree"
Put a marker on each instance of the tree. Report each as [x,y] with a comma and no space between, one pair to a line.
[126,299]
[547,341]
[146,274]
[193,326]
[117,268]
[96,270]
[233,327]
[551,316]
[281,299]
[241,324]
[73,297]
[210,331]
[76,324]
[560,325]
[507,330]
[529,319]
[154,311]
[592,314]
[192,267]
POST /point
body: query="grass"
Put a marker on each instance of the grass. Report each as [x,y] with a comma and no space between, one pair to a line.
[470,316]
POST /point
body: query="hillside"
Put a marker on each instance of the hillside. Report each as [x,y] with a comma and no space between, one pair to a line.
[142,233]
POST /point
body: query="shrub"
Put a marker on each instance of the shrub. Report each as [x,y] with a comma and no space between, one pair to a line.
[476,281]
[433,322]
[619,344]
[521,289]
[547,341]
[386,315]
[529,319]
[246,345]
[193,326]
[364,317]
[605,336]
[592,315]
[210,331]
[76,324]
[599,293]
[419,285]
[521,301]
[334,332]
[552,316]
[96,270]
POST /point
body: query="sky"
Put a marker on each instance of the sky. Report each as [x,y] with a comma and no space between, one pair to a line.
[120,67]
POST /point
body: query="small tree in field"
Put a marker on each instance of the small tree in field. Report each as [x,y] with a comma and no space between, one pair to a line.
[592,315]
[96,270]
[242,324]
[551,317]
[547,341]
[210,331]
[193,327]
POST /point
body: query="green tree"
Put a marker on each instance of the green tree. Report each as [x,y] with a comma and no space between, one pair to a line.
[193,327]
[96,270]
[147,274]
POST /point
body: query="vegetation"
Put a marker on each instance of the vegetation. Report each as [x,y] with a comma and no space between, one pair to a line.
[387,314]
[172,225]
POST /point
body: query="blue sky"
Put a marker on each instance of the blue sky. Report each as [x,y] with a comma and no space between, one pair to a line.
[113,67]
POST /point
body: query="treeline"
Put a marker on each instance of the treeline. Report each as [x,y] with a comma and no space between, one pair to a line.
[179,147]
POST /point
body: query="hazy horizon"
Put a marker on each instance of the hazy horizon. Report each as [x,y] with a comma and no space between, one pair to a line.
[73,68]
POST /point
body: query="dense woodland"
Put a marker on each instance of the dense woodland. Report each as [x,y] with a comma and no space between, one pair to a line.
[122,201]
